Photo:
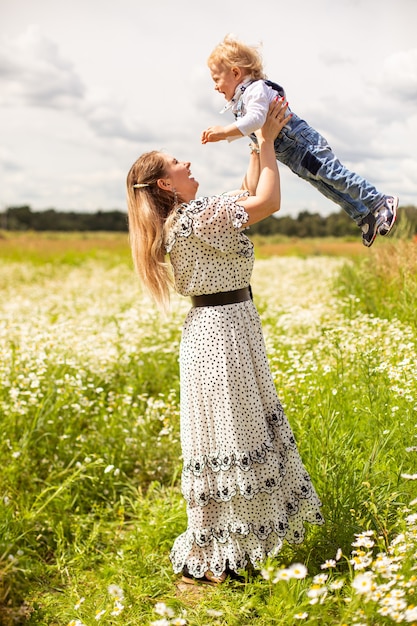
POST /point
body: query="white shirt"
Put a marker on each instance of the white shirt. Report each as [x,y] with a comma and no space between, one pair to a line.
[251,104]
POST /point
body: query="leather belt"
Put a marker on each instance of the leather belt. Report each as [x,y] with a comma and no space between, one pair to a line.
[223,297]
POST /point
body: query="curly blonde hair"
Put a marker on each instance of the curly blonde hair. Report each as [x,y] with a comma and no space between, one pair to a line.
[149,209]
[234,53]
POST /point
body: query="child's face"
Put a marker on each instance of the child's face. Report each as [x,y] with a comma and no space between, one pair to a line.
[226,79]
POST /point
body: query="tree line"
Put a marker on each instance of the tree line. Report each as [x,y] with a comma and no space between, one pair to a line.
[305,224]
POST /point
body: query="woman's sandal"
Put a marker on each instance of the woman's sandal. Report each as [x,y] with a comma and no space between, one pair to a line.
[208,579]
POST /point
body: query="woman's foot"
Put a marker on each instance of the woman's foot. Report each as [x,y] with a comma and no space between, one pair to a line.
[208,579]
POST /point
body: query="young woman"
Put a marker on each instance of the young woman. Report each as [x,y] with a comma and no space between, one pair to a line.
[244,482]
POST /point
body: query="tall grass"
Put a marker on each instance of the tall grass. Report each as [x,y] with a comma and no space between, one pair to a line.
[89,483]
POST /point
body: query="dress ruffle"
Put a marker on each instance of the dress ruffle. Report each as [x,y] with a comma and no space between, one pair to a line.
[220,477]
[273,481]
[234,543]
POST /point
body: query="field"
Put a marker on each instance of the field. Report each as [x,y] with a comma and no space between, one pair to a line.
[91,466]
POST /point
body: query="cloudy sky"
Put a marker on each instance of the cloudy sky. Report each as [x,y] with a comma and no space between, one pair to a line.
[88,85]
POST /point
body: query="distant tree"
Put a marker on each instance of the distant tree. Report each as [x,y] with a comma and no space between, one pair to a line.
[19,217]
[305,224]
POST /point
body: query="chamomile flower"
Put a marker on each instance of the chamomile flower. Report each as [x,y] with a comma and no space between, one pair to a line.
[162,609]
[116,592]
[99,615]
[298,571]
[118,608]
[362,583]
[78,604]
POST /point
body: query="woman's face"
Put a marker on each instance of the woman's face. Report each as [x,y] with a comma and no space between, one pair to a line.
[178,177]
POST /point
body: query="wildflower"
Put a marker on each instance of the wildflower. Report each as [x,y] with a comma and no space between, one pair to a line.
[338,554]
[363,541]
[282,574]
[99,615]
[329,563]
[178,621]
[320,579]
[267,572]
[297,570]
[118,608]
[160,622]
[108,469]
[79,603]
[162,609]
[336,584]
[116,592]
[362,583]
[384,611]
[75,622]
[316,592]
[214,613]
[411,519]
[410,614]
[409,476]
[361,560]
[301,615]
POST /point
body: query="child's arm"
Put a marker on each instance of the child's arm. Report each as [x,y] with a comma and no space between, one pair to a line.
[218,133]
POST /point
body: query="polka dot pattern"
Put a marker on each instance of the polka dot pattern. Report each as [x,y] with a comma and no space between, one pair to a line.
[243,479]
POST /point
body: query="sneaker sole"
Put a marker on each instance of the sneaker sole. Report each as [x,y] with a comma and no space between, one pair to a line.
[368,244]
[394,219]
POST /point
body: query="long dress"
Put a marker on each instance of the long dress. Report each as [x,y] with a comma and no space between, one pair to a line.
[243,480]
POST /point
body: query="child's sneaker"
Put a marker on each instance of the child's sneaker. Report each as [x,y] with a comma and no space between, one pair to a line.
[387,215]
[369,228]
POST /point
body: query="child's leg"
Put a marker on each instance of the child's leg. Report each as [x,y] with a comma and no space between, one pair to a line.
[352,192]
[308,155]
[355,209]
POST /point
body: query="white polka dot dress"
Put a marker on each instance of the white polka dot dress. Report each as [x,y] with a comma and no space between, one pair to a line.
[243,479]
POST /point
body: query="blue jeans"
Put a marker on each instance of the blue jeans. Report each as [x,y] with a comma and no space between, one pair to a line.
[309,156]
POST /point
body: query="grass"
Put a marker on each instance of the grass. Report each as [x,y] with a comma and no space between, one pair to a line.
[89,398]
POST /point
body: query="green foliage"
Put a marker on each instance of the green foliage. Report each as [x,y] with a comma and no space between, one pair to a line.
[90,479]
[23,218]
[384,283]
[305,224]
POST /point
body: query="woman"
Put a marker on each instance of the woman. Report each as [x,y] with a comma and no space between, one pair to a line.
[243,480]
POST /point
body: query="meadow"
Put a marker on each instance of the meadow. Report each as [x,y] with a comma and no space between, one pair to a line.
[90,499]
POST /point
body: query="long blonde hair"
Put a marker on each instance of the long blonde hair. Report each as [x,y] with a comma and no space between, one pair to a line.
[234,53]
[149,206]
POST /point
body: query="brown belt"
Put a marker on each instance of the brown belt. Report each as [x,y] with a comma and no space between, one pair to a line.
[222,298]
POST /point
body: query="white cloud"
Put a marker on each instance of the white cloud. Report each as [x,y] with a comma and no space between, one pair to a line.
[399,73]
[33,73]
[85,87]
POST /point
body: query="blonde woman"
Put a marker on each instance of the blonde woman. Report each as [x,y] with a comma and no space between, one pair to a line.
[244,482]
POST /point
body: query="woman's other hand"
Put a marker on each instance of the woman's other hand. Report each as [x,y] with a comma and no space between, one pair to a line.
[276,119]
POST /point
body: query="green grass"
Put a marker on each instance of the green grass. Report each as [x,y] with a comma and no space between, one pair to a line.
[89,410]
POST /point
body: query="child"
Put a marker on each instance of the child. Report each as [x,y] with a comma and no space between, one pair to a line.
[238,74]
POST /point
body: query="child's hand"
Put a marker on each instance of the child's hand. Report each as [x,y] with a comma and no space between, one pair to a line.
[213,133]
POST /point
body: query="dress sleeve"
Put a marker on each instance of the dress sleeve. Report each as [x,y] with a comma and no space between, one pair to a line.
[215,220]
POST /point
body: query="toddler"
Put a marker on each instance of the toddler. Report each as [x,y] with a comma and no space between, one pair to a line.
[237,72]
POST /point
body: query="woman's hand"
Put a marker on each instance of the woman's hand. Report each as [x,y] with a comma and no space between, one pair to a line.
[276,119]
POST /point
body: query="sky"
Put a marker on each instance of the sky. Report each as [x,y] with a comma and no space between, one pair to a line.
[87,86]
